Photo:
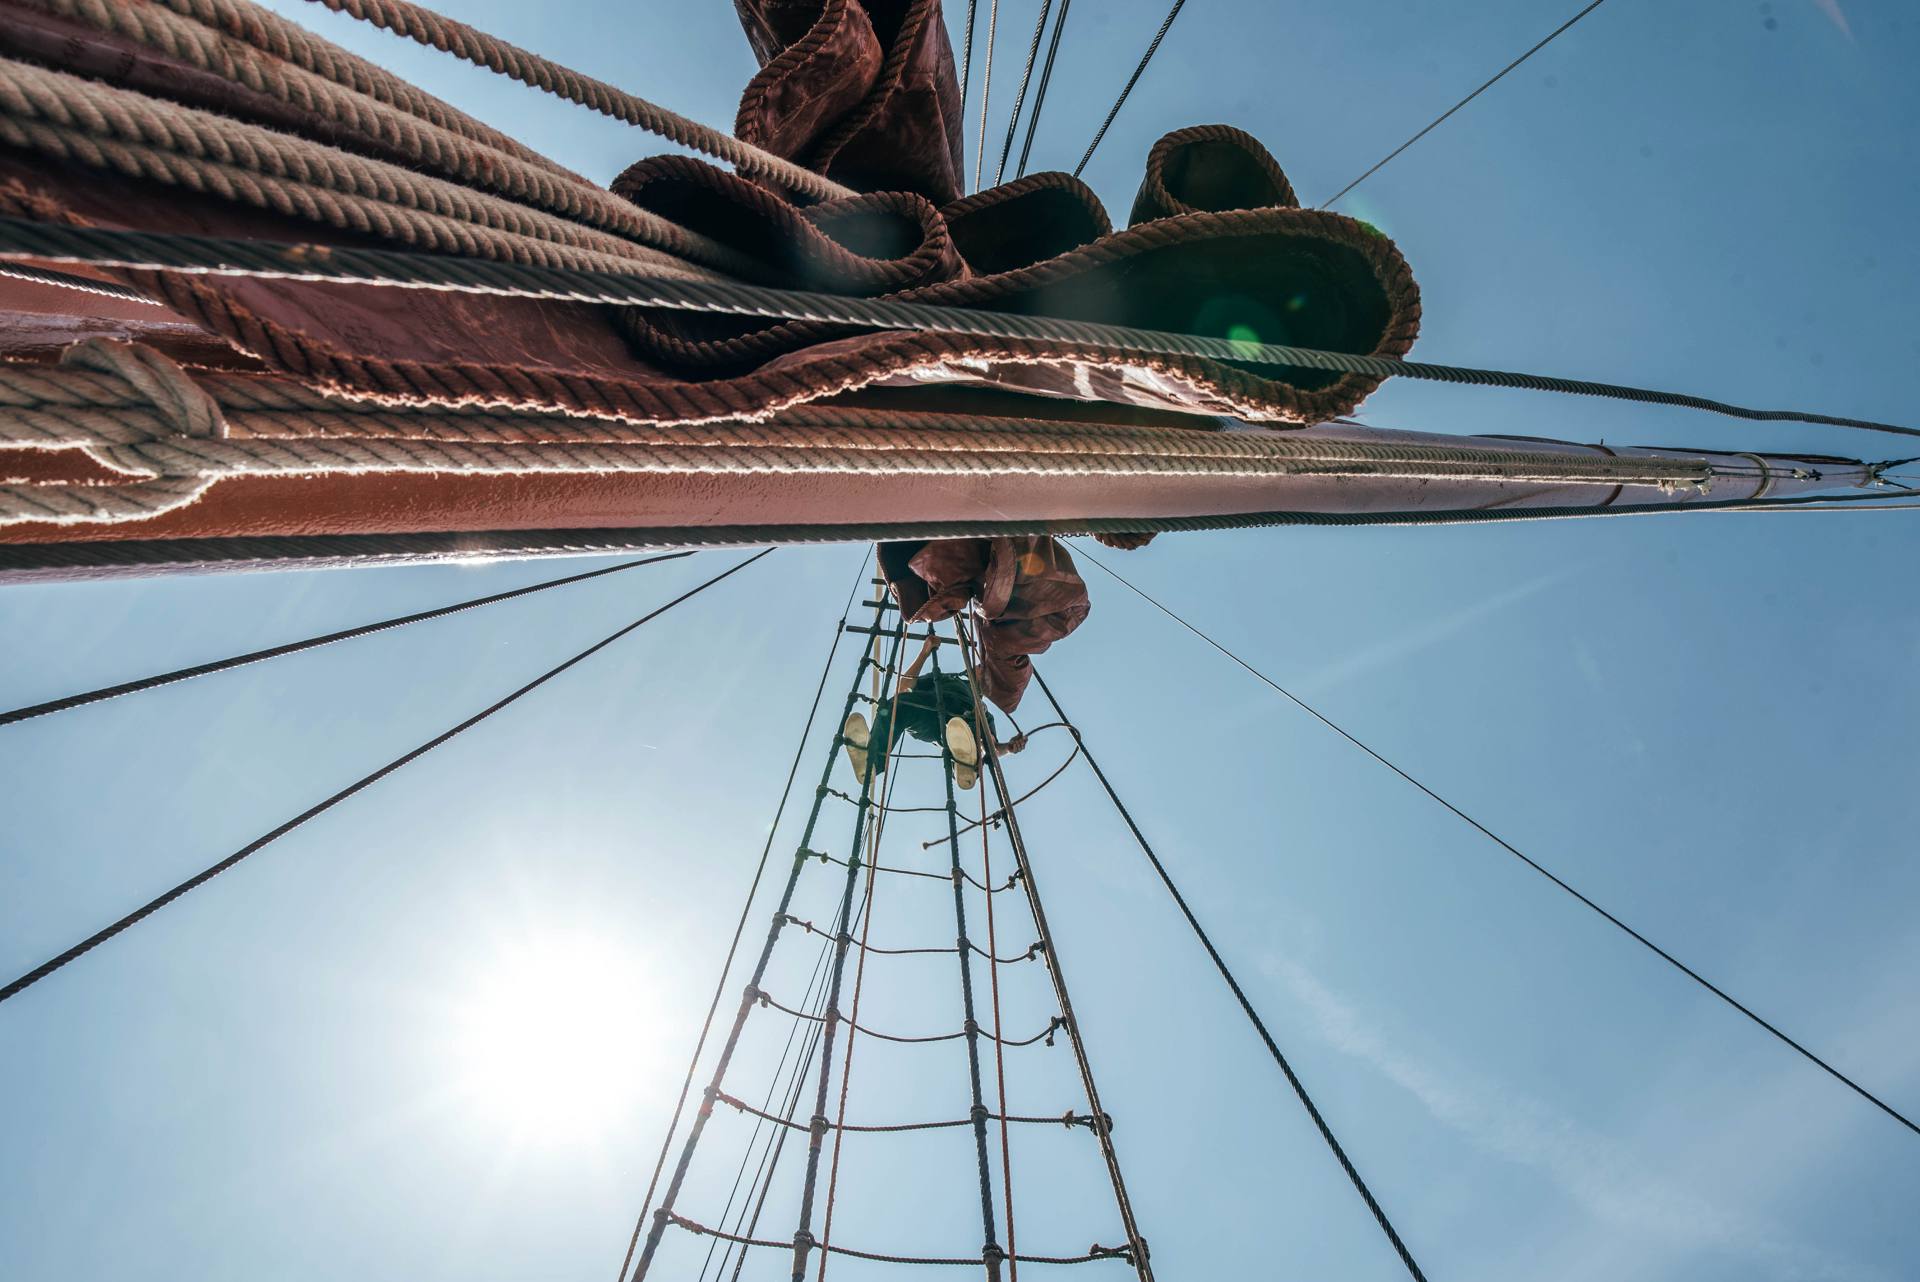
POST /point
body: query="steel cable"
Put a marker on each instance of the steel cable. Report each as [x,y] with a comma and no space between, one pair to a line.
[311,643]
[1511,849]
[207,255]
[1153,47]
[152,906]
[1441,119]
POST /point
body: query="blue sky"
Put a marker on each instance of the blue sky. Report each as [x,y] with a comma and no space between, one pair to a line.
[1702,721]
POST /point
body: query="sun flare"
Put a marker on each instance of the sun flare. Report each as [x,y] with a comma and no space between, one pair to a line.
[555,1037]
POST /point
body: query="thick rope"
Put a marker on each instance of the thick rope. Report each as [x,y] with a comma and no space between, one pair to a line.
[1511,849]
[454,155]
[153,252]
[71,118]
[1153,47]
[154,682]
[1442,118]
[121,405]
[154,905]
[423,26]
[288,42]
[1239,994]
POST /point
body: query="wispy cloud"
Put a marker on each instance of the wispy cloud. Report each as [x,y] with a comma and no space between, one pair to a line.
[1834,14]
[1431,632]
[1598,1174]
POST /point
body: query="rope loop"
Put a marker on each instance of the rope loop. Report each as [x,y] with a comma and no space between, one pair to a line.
[182,402]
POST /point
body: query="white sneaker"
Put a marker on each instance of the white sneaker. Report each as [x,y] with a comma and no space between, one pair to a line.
[961,743]
[964,777]
[857,736]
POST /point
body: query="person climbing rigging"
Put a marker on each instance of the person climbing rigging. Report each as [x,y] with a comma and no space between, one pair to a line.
[916,708]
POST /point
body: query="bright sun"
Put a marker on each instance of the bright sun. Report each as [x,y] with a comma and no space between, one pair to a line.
[555,1039]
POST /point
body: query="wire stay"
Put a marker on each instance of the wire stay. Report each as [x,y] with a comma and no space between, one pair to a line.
[1441,119]
[1515,851]
[154,905]
[311,643]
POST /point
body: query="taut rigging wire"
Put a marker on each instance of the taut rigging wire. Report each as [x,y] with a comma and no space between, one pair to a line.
[706,1026]
[200,255]
[1153,47]
[1040,92]
[1437,121]
[152,906]
[1020,97]
[1239,994]
[1513,850]
[311,643]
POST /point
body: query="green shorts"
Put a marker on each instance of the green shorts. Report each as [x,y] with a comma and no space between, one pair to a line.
[923,714]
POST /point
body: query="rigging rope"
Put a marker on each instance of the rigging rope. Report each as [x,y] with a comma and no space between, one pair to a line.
[947,768]
[146,910]
[733,947]
[986,92]
[1020,98]
[1513,850]
[311,643]
[1153,47]
[1136,1245]
[1239,994]
[457,38]
[876,831]
[151,251]
[1437,121]
[1040,93]
[663,1213]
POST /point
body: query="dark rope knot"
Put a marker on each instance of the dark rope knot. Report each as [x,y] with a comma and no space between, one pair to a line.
[979,1113]
[992,1254]
[1054,1025]
[819,1125]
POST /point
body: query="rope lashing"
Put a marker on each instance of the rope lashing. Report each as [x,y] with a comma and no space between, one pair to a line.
[87,697]
[423,26]
[1511,849]
[152,906]
[1092,1255]
[1246,1006]
[216,256]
